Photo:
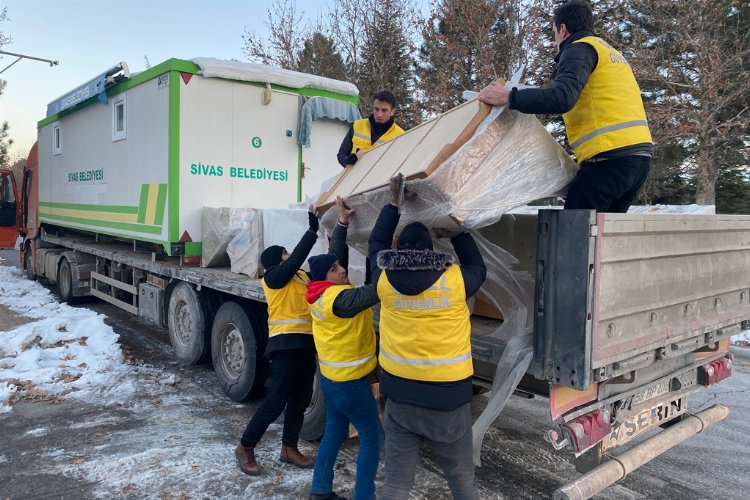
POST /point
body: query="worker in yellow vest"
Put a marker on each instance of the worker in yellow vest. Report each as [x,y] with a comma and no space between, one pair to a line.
[290,352]
[372,131]
[425,349]
[596,91]
[345,339]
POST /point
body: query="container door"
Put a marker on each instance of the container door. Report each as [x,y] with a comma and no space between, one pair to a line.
[8,210]
[319,161]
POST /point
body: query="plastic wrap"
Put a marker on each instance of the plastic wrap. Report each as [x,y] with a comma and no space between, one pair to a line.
[244,249]
[510,161]
[220,226]
[285,227]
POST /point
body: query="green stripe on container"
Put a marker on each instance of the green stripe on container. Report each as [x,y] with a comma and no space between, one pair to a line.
[115,209]
[193,248]
[173,152]
[124,226]
[143,204]
[161,200]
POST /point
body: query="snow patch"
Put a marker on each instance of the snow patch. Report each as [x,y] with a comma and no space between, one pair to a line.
[742,339]
[38,432]
[66,352]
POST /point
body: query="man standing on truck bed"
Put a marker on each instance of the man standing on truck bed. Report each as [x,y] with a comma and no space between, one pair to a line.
[290,352]
[372,131]
[345,339]
[425,349]
[596,91]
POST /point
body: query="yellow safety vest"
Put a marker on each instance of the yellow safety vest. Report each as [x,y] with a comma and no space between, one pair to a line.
[362,139]
[427,336]
[287,307]
[609,113]
[346,346]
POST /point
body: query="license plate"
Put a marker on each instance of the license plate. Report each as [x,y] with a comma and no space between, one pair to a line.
[644,420]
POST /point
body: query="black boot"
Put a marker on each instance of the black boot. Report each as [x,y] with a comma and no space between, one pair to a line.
[325,496]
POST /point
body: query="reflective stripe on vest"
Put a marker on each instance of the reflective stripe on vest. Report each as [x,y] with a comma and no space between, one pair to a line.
[427,336]
[346,346]
[287,307]
[609,113]
[362,137]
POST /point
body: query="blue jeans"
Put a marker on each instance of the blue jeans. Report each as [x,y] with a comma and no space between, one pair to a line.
[346,402]
[448,433]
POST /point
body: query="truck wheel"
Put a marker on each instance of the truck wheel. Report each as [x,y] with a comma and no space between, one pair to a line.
[315,415]
[27,262]
[65,281]
[236,340]
[187,322]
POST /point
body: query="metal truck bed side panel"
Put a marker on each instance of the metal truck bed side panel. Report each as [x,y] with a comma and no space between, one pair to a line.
[662,279]
[619,292]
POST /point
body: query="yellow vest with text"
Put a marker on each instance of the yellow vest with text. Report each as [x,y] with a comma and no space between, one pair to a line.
[362,139]
[609,113]
[346,346]
[287,307]
[427,336]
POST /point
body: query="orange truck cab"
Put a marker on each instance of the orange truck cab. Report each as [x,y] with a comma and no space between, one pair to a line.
[10,210]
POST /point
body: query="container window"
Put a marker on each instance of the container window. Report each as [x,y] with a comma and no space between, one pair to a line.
[56,139]
[119,120]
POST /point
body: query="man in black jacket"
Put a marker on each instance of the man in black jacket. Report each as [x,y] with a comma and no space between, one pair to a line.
[372,131]
[290,352]
[425,349]
[596,91]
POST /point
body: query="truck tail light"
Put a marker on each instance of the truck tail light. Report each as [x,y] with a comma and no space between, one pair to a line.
[715,371]
[587,430]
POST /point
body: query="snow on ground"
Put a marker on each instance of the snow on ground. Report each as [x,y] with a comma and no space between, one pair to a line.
[742,339]
[61,352]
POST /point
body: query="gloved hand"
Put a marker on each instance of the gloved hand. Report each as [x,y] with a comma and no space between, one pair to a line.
[395,186]
[312,219]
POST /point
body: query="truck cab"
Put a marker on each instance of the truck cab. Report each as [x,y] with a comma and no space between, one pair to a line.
[10,210]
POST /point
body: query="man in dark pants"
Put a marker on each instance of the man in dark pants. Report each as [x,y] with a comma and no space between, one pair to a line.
[605,121]
[425,349]
[372,131]
[290,352]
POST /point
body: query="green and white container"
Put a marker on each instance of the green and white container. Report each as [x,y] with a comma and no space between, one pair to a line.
[138,157]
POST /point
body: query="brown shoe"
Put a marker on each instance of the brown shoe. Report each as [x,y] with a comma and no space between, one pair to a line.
[246,458]
[293,456]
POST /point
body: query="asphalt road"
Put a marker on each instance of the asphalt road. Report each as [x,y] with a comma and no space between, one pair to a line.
[173,439]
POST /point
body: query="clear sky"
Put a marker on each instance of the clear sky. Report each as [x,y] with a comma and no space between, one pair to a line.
[88,37]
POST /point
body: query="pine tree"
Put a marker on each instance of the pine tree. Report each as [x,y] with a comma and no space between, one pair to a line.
[387,59]
[319,57]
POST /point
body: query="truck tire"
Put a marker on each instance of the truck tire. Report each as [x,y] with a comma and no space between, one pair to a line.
[27,262]
[188,323]
[237,351]
[315,415]
[65,281]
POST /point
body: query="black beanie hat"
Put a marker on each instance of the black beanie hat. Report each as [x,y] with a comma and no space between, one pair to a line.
[271,256]
[320,264]
[414,236]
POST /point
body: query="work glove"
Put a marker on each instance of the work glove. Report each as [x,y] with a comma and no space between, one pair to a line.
[396,187]
[312,219]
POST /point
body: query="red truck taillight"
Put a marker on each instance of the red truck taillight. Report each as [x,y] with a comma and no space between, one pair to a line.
[715,371]
[588,429]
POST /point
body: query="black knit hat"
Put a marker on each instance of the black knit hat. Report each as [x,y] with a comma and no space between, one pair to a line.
[414,236]
[320,264]
[271,256]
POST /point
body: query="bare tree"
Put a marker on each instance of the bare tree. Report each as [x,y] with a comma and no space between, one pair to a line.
[286,41]
[4,39]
